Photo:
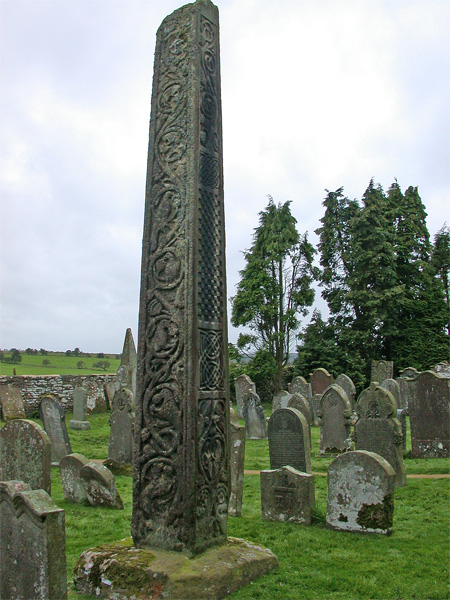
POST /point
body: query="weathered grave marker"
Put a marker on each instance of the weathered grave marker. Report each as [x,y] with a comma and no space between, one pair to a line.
[287,495]
[360,493]
[12,403]
[237,465]
[381,370]
[289,440]
[280,400]
[392,386]
[243,384]
[254,417]
[442,369]
[25,454]
[100,485]
[79,410]
[320,379]
[348,386]
[120,448]
[334,413]
[72,484]
[299,385]
[52,415]
[300,403]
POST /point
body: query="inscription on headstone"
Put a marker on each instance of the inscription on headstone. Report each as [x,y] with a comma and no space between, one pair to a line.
[287,495]
[73,486]
[289,440]
[52,415]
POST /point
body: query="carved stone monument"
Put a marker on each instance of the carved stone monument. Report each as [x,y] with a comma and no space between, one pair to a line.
[381,370]
[289,440]
[429,416]
[320,380]
[32,544]
[254,417]
[378,429]
[335,413]
[52,415]
[360,493]
[237,465]
[287,495]
[181,462]
[25,454]
[12,403]
[79,421]
[242,385]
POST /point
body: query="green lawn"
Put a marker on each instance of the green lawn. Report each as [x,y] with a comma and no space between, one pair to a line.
[59,364]
[315,562]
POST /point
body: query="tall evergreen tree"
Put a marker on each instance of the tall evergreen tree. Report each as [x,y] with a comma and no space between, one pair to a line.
[441,266]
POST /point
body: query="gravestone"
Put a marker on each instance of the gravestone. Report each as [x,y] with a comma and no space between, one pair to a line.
[299,385]
[320,379]
[52,415]
[289,440]
[381,370]
[287,495]
[280,400]
[409,372]
[378,430]
[348,386]
[242,385]
[32,544]
[254,417]
[25,454]
[442,369]
[72,484]
[429,416]
[300,403]
[100,486]
[110,389]
[360,493]
[392,386]
[407,387]
[237,459]
[12,403]
[79,421]
[120,448]
[335,413]
[401,416]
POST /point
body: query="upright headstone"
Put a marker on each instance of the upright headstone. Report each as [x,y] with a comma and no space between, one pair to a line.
[320,380]
[300,403]
[237,459]
[299,385]
[381,370]
[289,440]
[128,364]
[32,544]
[335,413]
[392,386]
[407,383]
[12,403]
[25,454]
[243,384]
[348,386]
[442,369]
[79,420]
[254,417]
[100,486]
[287,495]
[378,430]
[360,493]
[52,415]
[72,484]
[429,416]
[409,372]
[280,400]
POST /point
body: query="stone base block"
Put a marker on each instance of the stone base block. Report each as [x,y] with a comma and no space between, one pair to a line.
[84,425]
[120,571]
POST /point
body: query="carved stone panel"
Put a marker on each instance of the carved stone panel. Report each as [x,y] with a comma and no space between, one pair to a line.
[381,370]
[287,495]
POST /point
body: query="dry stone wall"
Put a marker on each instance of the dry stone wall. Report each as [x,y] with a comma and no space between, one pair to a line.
[33,387]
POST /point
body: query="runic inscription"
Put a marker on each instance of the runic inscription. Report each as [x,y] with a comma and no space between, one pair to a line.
[181,464]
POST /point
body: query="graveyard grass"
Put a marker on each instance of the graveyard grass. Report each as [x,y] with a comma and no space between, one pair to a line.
[314,562]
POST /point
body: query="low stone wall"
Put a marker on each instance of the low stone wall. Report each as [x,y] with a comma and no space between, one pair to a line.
[33,387]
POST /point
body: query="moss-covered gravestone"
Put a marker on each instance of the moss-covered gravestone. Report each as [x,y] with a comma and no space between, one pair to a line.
[242,385]
[334,413]
[12,403]
[181,463]
[287,495]
[289,440]
[52,415]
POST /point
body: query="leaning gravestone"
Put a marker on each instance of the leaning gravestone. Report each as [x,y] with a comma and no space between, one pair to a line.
[381,370]
[52,415]
[280,400]
[254,417]
[12,403]
[335,413]
[360,493]
[320,380]
[32,544]
[348,386]
[25,454]
[289,440]
[72,484]
[181,475]
[287,495]
[243,384]
[100,486]
[237,465]
[378,430]
[79,410]
[429,416]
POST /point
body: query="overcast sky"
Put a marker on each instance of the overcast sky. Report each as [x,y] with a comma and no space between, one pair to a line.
[316,94]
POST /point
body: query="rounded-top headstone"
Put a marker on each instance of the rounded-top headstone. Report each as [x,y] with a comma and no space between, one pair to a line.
[289,440]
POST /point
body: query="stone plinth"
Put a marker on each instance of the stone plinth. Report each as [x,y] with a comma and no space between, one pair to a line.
[287,495]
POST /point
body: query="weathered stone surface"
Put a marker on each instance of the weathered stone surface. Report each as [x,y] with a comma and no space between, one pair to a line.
[381,370]
[100,486]
[299,385]
[289,440]
[110,389]
[287,495]
[300,403]
[401,416]
[52,415]
[181,453]
[378,430]
[334,413]
[122,572]
[73,485]
[242,385]
[32,544]
[12,404]
[120,448]
[348,386]
[442,369]
[254,417]
[126,374]
[429,416]
[360,493]
[280,400]
[320,379]
[25,454]
[79,410]
[409,372]
[392,386]
[237,458]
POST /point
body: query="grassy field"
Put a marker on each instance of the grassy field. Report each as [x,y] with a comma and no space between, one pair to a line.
[58,364]
[314,562]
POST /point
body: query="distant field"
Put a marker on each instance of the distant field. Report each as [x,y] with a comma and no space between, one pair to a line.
[57,363]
